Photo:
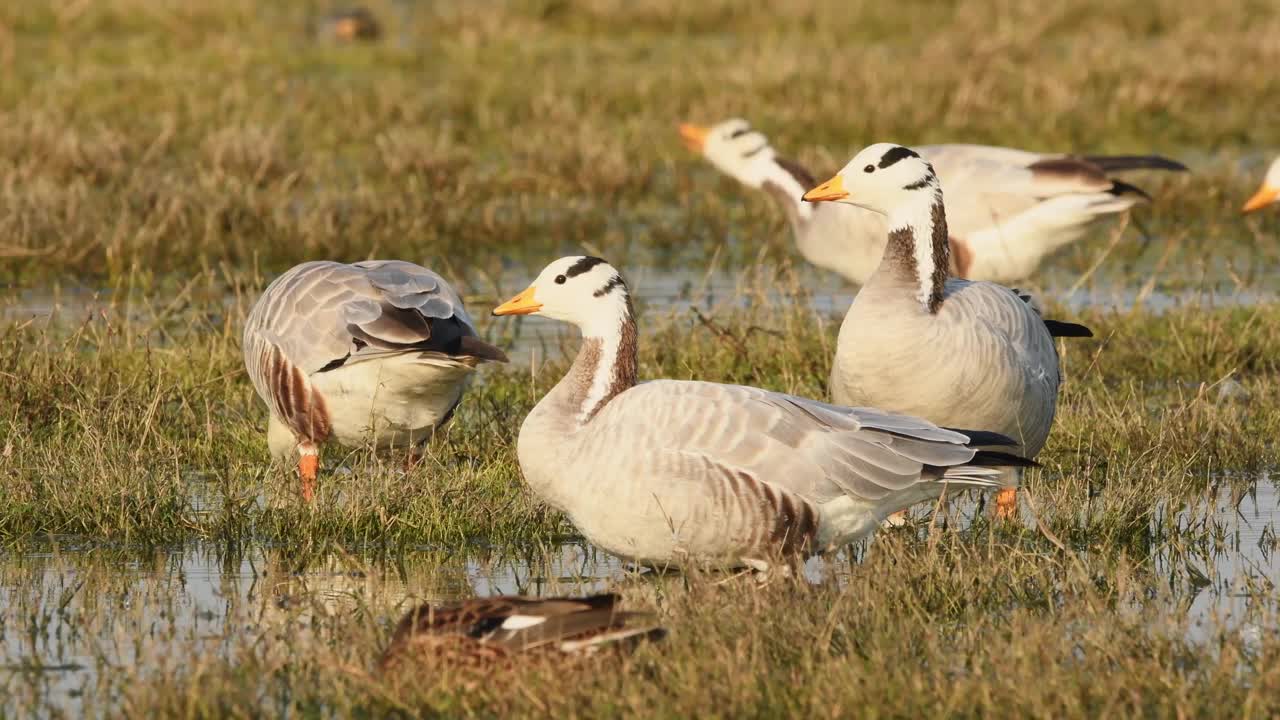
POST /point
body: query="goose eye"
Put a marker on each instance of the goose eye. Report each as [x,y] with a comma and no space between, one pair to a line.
[739,133]
[869,168]
[560,279]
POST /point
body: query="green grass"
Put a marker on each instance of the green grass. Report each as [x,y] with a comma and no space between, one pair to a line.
[139,432]
[172,157]
[143,138]
[969,628]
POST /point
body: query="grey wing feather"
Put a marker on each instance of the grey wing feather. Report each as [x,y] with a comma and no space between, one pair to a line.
[321,312]
[400,278]
[810,448]
[412,286]
[868,453]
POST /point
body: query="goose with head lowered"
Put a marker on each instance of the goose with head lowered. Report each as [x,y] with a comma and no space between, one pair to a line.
[374,351]
[1012,208]
[957,352]
[671,472]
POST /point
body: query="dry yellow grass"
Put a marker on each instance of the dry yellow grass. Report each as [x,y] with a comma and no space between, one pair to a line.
[179,154]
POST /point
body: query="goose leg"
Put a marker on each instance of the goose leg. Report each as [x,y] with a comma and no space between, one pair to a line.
[1006,503]
[412,460]
[308,468]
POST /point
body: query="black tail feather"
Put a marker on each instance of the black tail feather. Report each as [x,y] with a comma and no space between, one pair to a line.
[1119,187]
[1115,163]
[1058,328]
[986,438]
[994,458]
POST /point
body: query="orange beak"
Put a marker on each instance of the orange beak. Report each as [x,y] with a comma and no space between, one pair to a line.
[695,136]
[1266,195]
[832,189]
[522,304]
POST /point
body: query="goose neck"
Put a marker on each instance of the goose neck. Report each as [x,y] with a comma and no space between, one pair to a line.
[604,368]
[917,251]
[786,182]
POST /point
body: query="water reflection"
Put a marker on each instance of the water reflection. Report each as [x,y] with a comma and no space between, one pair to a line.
[1226,556]
[69,613]
[667,290]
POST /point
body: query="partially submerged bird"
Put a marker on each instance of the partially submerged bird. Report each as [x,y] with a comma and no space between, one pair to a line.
[374,351]
[1268,193]
[957,352]
[484,632]
[672,472]
[1010,208]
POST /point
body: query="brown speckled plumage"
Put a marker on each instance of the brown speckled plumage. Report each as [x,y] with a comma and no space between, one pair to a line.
[480,633]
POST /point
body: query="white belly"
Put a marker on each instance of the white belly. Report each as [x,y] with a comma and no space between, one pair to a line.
[396,401]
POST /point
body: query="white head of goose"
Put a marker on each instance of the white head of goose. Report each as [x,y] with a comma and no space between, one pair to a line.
[745,155]
[1268,193]
[1012,208]
[678,472]
[374,351]
[957,352]
[896,182]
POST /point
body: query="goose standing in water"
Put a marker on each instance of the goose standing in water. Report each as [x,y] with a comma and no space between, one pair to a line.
[1011,208]
[375,351]
[484,632]
[957,352]
[1268,193]
[674,472]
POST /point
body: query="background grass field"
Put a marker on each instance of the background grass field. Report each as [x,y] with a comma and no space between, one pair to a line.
[161,161]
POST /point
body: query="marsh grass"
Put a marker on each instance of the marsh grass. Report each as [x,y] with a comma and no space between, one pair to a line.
[165,160]
[135,427]
[142,427]
[968,628]
[142,136]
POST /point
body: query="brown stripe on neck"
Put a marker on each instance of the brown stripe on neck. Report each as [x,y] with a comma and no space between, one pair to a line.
[620,377]
[941,255]
[900,254]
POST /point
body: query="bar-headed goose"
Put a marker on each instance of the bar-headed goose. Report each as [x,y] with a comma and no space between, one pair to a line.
[1012,208]
[378,350]
[483,632]
[1269,193]
[676,472]
[958,352]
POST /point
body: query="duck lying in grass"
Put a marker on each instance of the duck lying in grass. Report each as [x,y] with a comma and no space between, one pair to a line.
[486,632]
[672,472]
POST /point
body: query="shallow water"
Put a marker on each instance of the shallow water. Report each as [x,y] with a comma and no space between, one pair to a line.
[662,296]
[70,612]
[1236,567]
[659,293]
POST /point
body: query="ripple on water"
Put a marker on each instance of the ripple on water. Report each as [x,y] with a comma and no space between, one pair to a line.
[72,611]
